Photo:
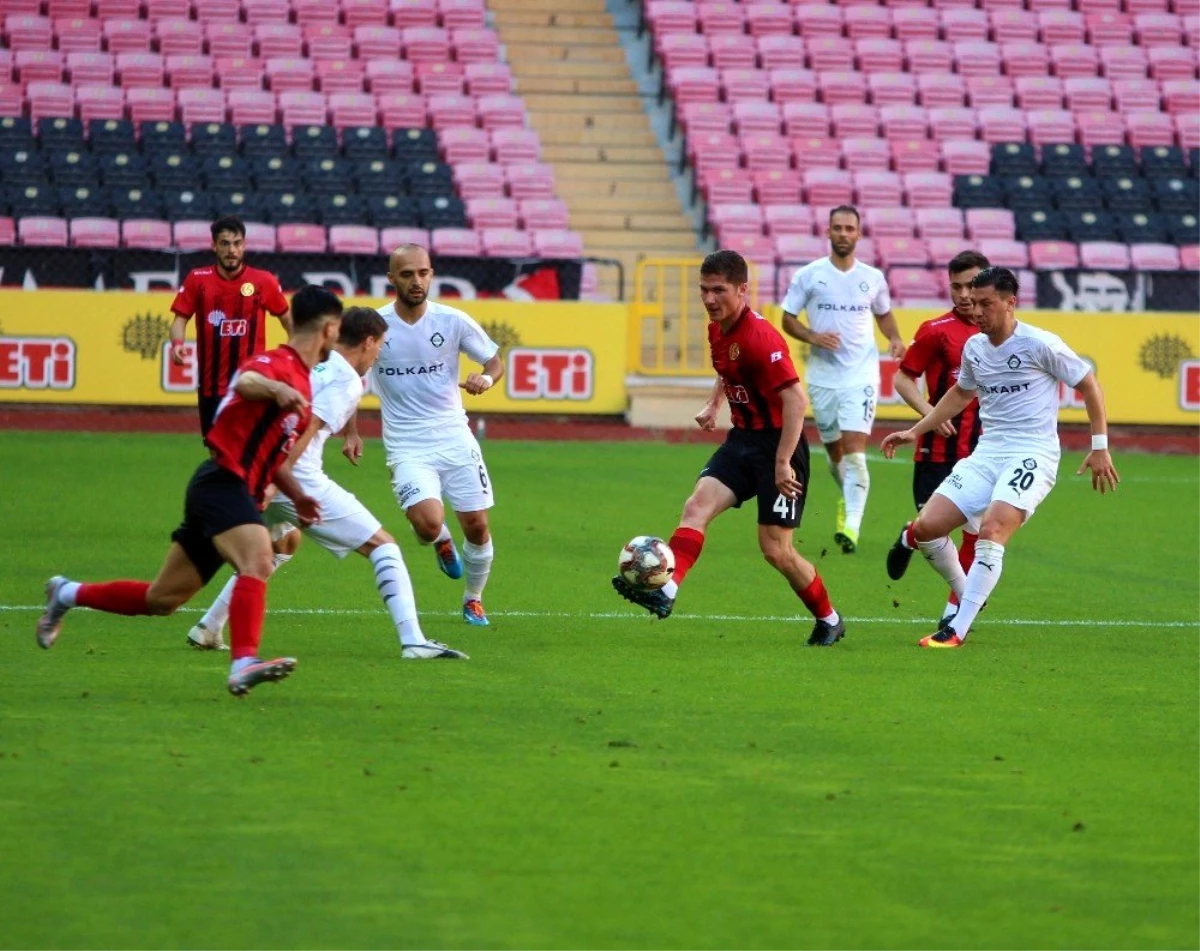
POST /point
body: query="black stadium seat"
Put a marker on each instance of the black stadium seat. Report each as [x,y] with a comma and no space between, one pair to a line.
[276,172]
[1012,158]
[288,207]
[1194,163]
[264,140]
[393,211]
[1061,160]
[1118,161]
[323,175]
[73,167]
[123,169]
[85,201]
[380,177]
[246,204]
[106,136]
[60,134]
[1027,192]
[978,191]
[1176,195]
[175,170]
[1183,229]
[365,142]
[415,145]
[1076,193]
[213,138]
[159,137]
[226,173]
[21,166]
[1126,193]
[1138,228]
[341,208]
[314,141]
[187,204]
[26,201]
[1160,161]
[430,179]
[1040,226]
[139,202]
[16,133]
[1090,226]
[444,212]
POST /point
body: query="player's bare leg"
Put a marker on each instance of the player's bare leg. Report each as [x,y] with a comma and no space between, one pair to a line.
[477,554]
[856,485]
[396,591]
[428,521]
[209,631]
[775,542]
[177,583]
[1000,523]
[837,469]
[248,549]
[709,499]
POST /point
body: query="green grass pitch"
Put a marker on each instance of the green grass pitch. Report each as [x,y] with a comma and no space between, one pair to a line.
[593,778]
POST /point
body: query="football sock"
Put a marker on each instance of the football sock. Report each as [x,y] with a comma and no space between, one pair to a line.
[396,590]
[217,615]
[836,469]
[985,572]
[67,593]
[855,486]
[247,608]
[941,553]
[477,564]
[114,597]
[686,544]
[907,538]
[816,599]
[441,536]
[966,551]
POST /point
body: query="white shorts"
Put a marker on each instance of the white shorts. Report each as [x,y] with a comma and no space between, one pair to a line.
[850,408]
[454,469]
[1021,480]
[345,524]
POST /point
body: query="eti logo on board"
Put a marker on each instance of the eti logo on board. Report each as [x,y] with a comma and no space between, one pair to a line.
[182,378]
[548,373]
[1189,384]
[37,363]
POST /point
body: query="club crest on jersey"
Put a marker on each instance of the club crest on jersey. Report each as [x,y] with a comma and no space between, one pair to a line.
[734,351]
[1030,464]
[247,289]
[289,422]
[215,317]
[864,287]
[1014,362]
[868,391]
[437,340]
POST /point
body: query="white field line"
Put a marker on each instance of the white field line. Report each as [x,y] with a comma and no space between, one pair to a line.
[631,615]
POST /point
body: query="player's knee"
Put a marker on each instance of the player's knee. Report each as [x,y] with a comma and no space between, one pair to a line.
[777,553]
[476,530]
[259,565]
[425,526]
[286,544]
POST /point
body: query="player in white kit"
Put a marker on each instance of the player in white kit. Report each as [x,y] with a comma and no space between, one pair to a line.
[345,524]
[843,299]
[431,451]
[1015,369]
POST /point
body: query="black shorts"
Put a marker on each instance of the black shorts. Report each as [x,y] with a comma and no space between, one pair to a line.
[746,464]
[927,476]
[216,501]
[208,412]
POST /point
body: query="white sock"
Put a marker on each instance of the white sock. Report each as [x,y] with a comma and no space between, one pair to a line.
[941,553]
[671,588]
[67,593]
[218,612]
[951,608]
[856,483]
[985,572]
[837,470]
[396,590]
[830,619]
[241,662]
[477,564]
[441,536]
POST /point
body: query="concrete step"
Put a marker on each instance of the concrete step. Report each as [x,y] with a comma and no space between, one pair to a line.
[629,136]
[572,187]
[614,106]
[544,65]
[549,6]
[662,203]
[555,85]
[621,172]
[604,57]
[580,40]
[637,219]
[674,243]
[611,123]
[602,153]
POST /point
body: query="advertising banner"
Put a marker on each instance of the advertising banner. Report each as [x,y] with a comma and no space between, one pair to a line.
[1118,292]
[111,349]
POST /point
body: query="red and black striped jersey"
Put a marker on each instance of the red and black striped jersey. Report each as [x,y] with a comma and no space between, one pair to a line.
[754,364]
[936,353]
[252,438]
[230,317]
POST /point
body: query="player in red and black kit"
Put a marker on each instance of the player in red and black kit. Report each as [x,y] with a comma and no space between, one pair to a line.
[765,456]
[936,354]
[265,410]
[230,302]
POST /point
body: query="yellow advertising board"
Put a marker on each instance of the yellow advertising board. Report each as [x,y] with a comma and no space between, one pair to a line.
[1148,364]
[111,348]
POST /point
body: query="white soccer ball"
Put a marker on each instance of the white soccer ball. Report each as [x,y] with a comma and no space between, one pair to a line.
[646,562]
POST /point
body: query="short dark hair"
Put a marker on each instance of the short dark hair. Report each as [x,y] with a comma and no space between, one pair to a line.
[228,223]
[359,323]
[312,303]
[965,260]
[845,210]
[1001,278]
[727,264]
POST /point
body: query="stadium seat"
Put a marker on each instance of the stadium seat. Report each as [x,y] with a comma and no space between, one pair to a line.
[1126,193]
[1053,255]
[441,79]
[1025,192]
[889,223]
[388,210]
[1189,258]
[537,213]
[990,223]
[443,211]
[558,244]
[892,88]
[911,286]
[1100,128]
[515,145]
[137,203]
[1062,159]
[878,189]
[938,90]
[929,189]
[774,186]
[123,169]
[455,242]
[1107,255]
[187,204]
[910,252]
[353,239]
[795,219]
[1176,195]
[146,234]
[492,213]
[914,22]
[392,238]
[530,180]
[1141,228]
[95,233]
[85,201]
[1076,193]
[42,231]
[213,138]
[198,106]
[302,239]
[1154,257]
[828,187]
[939,223]
[1091,226]
[1005,253]
[1162,161]
[965,157]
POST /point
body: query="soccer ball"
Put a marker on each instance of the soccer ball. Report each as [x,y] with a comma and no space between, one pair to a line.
[646,562]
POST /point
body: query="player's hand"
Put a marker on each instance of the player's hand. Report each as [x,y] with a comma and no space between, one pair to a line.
[893,441]
[352,448]
[476,383]
[897,349]
[786,482]
[829,341]
[289,398]
[308,510]
[706,419]
[1104,473]
[268,494]
[947,429]
[177,352]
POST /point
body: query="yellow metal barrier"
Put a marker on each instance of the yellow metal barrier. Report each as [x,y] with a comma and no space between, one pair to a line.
[667,323]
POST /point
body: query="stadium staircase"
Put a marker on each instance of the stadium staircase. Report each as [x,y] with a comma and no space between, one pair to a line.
[569,66]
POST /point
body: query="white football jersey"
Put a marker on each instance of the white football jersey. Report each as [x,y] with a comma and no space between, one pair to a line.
[416,375]
[1017,385]
[843,302]
[336,390]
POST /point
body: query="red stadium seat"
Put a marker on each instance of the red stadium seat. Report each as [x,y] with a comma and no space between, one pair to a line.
[915,23]
[794,219]
[776,186]
[828,186]
[966,157]
[255,107]
[1149,128]
[238,72]
[448,112]
[501,112]
[1187,130]
[423,44]
[889,223]
[414,13]
[745,85]
[475,45]
[553,243]
[42,232]
[100,102]
[515,145]
[1051,126]
[34,66]
[1053,255]
[985,91]
[352,109]
[316,11]
[157,10]
[904,251]
[261,11]
[279,39]
[758,249]
[390,76]
[95,233]
[373,40]
[800,249]
[145,70]
[87,67]
[1005,253]
[767,19]
[1061,27]
[766,152]
[829,53]
[78,34]
[694,84]
[151,105]
[185,71]
[806,119]
[146,234]
[391,238]
[1104,254]
[929,56]
[530,180]
[892,89]
[904,122]
[488,79]
[127,36]
[302,239]
[965,25]
[441,79]
[537,213]
[940,223]
[1074,59]
[953,124]
[353,239]
[75,8]
[1088,93]
[671,16]
[756,117]
[464,144]
[26,32]
[192,235]
[1154,257]
[943,250]
[289,73]
[999,124]
[915,155]
[328,42]
[716,17]
[990,223]
[840,86]
[735,219]
[1181,95]
[1124,62]
[854,120]
[1137,95]
[228,39]
[875,189]
[1013,26]
[479,180]
[1189,257]
[818,19]
[683,50]
[812,152]
[1173,62]
[506,243]
[261,238]
[1025,59]
[911,286]
[50,100]
[1158,29]
[341,75]
[793,85]
[868,22]
[780,52]
[299,108]
[458,14]
[1039,92]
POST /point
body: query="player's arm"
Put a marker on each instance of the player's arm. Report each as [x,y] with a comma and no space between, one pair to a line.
[794,328]
[178,333]
[251,385]
[1104,473]
[954,402]
[907,387]
[286,319]
[889,328]
[706,419]
[793,424]
[308,510]
[493,370]
[352,444]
